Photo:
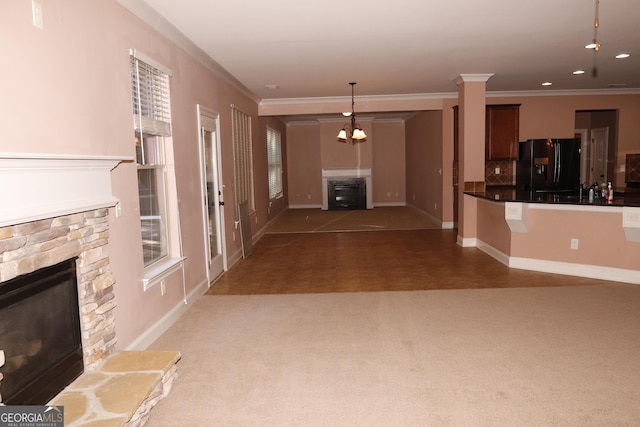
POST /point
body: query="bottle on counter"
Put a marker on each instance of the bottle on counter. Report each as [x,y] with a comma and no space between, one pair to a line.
[591,195]
[597,193]
[609,193]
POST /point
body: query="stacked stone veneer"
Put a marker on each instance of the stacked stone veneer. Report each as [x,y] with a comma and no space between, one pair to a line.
[25,248]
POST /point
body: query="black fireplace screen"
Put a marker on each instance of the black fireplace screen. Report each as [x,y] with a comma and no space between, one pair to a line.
[347,194]
[40,334]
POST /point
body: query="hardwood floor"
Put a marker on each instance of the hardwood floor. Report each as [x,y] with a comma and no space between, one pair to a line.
[367,261]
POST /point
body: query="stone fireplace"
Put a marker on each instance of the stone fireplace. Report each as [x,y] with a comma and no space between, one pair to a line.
[28,247]
[59,212]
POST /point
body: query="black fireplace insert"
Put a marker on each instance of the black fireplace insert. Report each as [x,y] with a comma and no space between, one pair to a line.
[40,334]
[347,194]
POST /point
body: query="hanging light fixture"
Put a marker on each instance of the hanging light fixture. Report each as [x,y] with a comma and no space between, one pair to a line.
[595,44]
[352,132]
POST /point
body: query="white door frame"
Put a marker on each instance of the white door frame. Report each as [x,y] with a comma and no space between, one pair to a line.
[584,155]
[205,119]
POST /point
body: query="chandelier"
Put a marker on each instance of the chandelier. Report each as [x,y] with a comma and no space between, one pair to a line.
[352,132]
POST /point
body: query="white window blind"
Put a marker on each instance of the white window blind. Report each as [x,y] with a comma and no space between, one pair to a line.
[151,105]
[274,158]
[243,159]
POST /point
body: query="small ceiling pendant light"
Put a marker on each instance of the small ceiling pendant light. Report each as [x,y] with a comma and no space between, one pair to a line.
[596,44]
[352,132]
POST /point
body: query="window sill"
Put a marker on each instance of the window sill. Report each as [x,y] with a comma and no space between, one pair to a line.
[160,271]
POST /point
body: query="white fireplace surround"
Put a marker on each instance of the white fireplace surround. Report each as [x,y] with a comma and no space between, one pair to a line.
[338,173]
[39,186]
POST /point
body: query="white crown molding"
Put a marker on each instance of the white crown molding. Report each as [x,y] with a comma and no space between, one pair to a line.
[359,98]
[442,95]
[567,92]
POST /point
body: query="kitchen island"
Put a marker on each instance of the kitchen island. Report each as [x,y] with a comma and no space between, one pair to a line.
[557,233]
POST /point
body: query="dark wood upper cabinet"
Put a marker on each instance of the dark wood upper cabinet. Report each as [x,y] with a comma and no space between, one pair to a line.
[502,131]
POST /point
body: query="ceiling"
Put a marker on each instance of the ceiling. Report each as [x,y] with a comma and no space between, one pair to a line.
[312,49]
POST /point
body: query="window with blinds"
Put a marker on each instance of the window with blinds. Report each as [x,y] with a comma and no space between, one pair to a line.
[274,159]
[243,159]
[152,129]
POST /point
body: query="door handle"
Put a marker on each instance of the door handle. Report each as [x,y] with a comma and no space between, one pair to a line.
[221,203]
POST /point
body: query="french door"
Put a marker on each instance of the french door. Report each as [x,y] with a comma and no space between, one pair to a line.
[213,209]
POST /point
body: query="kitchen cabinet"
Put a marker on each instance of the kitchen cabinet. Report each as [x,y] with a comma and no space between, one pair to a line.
[502,131]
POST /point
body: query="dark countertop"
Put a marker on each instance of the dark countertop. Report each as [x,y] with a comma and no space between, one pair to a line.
[514,194]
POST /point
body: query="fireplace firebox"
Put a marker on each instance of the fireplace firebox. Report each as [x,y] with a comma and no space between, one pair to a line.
[40,334]
[347,194]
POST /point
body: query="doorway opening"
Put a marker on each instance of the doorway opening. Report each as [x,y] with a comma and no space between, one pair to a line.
[598,131]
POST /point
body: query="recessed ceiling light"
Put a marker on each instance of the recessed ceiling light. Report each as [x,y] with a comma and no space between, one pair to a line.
[622,55]
[547,84]
[271,86]
[576,72]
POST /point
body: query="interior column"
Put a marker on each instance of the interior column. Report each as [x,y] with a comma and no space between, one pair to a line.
[471,151]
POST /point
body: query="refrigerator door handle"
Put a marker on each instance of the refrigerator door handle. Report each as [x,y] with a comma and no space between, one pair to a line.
[556,175]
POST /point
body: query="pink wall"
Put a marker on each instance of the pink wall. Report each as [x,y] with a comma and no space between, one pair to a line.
[424,162]
[388,172]
[602,241]
[67,91]
[303,162]
[601,238]
[492,227]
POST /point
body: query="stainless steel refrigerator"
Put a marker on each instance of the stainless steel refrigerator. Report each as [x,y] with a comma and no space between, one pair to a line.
[549,165]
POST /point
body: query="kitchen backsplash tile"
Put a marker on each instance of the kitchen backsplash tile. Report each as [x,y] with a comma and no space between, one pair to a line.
[507,175]
[632,168]
[474,186]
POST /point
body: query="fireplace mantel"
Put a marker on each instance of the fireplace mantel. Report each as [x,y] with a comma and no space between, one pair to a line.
[39,186]
[337,173]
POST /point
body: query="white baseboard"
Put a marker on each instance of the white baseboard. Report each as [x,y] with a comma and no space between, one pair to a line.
[305,206]
[160,327]
[386,204]
[448,225]
[235,257]
[566,268]
[493,252]
[467,242]
[579,270]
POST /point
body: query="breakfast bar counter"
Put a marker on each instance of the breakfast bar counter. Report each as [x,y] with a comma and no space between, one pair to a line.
[557,233]
[622,197]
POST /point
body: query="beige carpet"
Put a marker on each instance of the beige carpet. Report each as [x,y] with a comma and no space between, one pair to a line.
[380,218]
[567,356]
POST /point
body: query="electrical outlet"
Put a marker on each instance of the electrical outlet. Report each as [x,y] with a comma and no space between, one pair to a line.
[574,244]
